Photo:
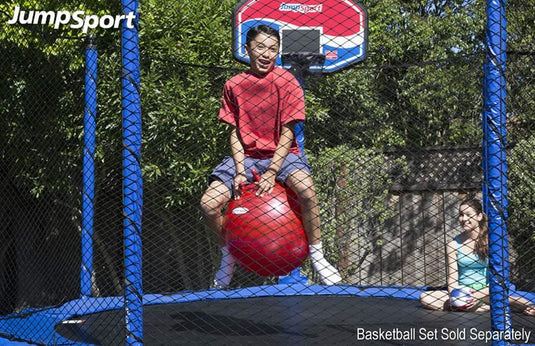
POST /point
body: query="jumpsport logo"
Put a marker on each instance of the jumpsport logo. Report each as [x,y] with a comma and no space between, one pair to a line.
[302,8]
[78,18]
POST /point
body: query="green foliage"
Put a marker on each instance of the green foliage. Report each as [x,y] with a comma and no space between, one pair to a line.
[352,187]
[421,85]
[375,107]
[434,99]
[42,97]
[183,140]
[520,69]
[522,205]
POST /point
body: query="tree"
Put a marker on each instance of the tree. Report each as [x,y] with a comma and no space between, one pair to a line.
[420,86]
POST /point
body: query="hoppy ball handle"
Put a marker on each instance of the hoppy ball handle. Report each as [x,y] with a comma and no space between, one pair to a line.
[256,178]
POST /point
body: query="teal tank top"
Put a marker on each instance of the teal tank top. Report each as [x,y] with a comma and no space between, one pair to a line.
[472,271]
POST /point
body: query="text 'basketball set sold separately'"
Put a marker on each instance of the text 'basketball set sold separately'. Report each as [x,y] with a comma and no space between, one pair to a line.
[443,334]
[78,18]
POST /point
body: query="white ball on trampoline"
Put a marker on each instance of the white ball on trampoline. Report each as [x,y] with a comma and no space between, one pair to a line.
[460,297]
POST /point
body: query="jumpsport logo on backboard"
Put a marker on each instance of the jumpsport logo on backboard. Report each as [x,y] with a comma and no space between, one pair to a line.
[301,8]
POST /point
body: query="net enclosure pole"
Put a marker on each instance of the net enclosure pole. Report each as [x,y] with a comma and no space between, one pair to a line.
[300,67]
[88,194]
[132,178]
[495,166]
[295,275]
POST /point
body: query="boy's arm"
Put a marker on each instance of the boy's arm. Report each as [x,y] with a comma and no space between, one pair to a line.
[267,182]
[238,155]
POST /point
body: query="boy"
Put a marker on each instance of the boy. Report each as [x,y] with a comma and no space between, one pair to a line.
[262,106]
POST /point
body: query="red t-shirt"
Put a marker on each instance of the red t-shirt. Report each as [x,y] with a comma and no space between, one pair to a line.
[259,105]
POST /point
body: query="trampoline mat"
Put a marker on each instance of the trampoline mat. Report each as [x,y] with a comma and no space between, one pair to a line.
[295,320]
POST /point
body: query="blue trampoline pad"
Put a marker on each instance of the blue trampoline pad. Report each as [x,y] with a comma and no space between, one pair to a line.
[294,320]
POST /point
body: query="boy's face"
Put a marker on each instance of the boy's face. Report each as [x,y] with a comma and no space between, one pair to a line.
[263,51]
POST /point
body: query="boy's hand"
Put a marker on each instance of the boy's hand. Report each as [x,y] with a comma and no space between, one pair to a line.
[239,181]
[266,183]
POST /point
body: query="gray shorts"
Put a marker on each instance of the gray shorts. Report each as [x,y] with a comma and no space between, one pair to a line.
[226,170]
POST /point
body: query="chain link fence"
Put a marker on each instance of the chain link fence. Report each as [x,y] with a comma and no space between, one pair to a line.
[394,142]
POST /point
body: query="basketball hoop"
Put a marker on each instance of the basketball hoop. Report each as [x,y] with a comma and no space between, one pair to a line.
[303,64]
[324,36]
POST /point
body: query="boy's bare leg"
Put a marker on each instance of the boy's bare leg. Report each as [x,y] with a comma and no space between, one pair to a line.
[301,182]
[212,202]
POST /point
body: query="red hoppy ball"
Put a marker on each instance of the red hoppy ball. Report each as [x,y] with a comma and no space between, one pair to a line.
[265,234]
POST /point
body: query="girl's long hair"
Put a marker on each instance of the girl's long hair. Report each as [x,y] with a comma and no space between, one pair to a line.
[482,241]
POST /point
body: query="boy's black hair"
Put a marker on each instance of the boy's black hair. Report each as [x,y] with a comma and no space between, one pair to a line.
[262,29]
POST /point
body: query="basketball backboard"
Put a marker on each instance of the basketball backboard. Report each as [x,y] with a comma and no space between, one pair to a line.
[336,29]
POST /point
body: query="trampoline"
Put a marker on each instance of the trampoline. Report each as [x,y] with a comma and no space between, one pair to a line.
[298,320]
[285,314]
[295,314]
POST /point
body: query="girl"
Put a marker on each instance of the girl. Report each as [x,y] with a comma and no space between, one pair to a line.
[467,260]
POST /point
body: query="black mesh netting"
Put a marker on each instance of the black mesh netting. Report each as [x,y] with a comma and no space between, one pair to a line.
[394,143]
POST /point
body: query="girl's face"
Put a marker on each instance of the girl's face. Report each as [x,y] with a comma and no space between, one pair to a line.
[469,218]
[263,52]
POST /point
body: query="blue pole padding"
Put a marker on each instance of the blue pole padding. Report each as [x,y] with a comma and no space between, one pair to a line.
[300,126]
[90,116]
[132,178]
[495,180]
[295,275]
[300,135]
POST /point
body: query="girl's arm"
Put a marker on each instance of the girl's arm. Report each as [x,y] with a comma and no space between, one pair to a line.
[451,261]
[481,294]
